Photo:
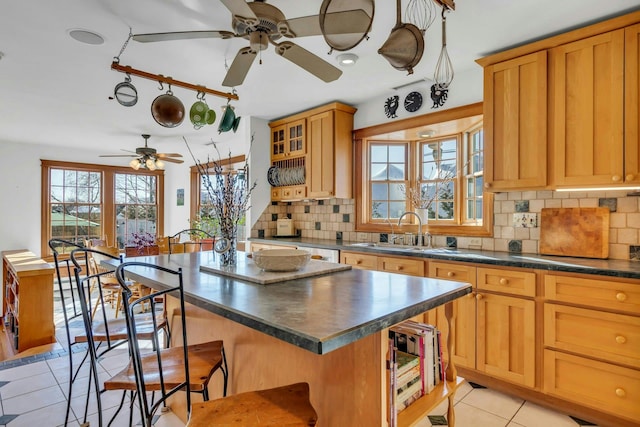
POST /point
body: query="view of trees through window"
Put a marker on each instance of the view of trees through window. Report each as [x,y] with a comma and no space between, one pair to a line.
[136,206]
[82,202]
[75,201]
[442,175]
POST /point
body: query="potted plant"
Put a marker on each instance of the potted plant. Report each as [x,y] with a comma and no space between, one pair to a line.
[209,225]
[142,243]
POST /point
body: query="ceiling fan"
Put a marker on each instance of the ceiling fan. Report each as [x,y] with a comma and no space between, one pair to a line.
[262,23]
[147,157]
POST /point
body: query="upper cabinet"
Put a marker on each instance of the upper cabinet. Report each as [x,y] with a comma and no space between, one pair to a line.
[587,116]
[631,104]
[515,123]
[311,154]
[563,112]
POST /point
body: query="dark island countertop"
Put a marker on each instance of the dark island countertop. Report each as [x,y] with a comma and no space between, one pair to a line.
[603,267]
[320,313]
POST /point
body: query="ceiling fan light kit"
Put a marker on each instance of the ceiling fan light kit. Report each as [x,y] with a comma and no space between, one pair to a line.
[347,59]
[147,157]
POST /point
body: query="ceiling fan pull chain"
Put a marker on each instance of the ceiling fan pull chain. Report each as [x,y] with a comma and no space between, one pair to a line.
[124,46]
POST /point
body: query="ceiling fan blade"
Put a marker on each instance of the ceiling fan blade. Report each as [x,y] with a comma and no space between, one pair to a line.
[182,35]
[119,155]
[172,160]
[309,61]
[240,67]
[165,155]
[347,22]
[241,11]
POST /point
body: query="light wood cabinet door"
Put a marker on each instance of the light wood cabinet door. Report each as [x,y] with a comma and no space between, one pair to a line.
[586,117]
[464,309]
[278,142]
[411,267]
[592,333]
[320,168]
[359,260]
[506,338]
[515,123]
[602,386]
[632,105]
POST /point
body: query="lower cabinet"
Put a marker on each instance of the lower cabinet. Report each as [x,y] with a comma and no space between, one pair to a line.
[562,339]
[592,343]
[506,325]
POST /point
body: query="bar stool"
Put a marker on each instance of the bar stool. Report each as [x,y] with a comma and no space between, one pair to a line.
[104,332]
[70,304]
[177,368]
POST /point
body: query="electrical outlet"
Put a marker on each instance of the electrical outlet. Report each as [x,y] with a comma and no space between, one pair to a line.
[525,220]
[363,237]
[475,241]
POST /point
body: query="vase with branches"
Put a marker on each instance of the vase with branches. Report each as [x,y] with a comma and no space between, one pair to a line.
[228,197]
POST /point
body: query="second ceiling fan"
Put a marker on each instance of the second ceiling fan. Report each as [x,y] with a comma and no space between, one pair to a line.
[341,23]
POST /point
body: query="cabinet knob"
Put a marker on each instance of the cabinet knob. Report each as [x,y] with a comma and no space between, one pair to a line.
[479,296]
[450,274]
[399,268]
[358,261]
[630,177]
[487,185]
[503,281]
[621,339]
[471,295]
[616,178]
[621,296]
[620,392]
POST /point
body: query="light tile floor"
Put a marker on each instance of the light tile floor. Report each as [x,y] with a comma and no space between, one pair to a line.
[33,392]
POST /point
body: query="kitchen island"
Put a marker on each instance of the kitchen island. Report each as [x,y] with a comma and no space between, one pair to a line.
[328,330]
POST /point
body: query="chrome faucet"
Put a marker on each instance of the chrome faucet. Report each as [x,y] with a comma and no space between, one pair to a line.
[420,240]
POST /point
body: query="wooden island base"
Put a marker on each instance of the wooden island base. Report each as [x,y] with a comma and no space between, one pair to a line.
[346,384]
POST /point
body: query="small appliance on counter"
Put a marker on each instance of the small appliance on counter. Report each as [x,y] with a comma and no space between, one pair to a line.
[285,228]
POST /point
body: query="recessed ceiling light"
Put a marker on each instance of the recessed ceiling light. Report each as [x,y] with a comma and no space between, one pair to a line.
[427,133]
[86,36]
[347,59]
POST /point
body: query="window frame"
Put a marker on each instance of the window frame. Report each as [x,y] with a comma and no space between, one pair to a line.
[107,195]
[361,138]
[194,181]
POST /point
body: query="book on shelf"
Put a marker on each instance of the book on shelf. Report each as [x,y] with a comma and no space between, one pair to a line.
[419,338]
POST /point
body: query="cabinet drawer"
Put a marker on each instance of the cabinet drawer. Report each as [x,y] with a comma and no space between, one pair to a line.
[599,293]
[358,260]
[609,336]
[602,386]
[447,270]
[508,281]
[412,267]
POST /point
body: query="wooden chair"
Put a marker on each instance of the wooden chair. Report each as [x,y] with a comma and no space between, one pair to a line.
[102,330]
[176,246]
[184,368]
[163,244]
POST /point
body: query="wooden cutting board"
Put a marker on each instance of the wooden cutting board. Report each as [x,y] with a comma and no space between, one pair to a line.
[579,232]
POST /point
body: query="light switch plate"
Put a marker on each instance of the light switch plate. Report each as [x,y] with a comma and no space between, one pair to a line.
[525,219]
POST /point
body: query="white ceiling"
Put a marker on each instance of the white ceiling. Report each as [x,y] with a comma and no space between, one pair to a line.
[55,90]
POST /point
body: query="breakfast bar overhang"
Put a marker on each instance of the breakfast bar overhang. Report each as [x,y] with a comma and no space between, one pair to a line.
[328,330]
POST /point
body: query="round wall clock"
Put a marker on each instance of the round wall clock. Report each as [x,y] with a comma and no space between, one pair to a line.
[413,102]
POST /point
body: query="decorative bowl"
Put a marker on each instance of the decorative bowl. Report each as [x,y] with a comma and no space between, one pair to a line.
[281,259]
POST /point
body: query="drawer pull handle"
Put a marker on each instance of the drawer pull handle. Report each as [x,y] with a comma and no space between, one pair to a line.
[399,268]
[620,392]
[621,296]
[451,274]
[620,339]
[479,296]
[358,262]
[504,281]
[630,177]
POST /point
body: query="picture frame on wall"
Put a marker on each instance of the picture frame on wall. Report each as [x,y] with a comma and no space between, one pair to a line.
[180,197]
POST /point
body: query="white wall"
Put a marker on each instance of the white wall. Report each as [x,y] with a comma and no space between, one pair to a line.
[465,89]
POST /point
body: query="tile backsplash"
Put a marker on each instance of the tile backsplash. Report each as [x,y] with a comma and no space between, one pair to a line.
[336,217]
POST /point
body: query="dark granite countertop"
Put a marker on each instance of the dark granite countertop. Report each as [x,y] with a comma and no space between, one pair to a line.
[606,267]
[320,313]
